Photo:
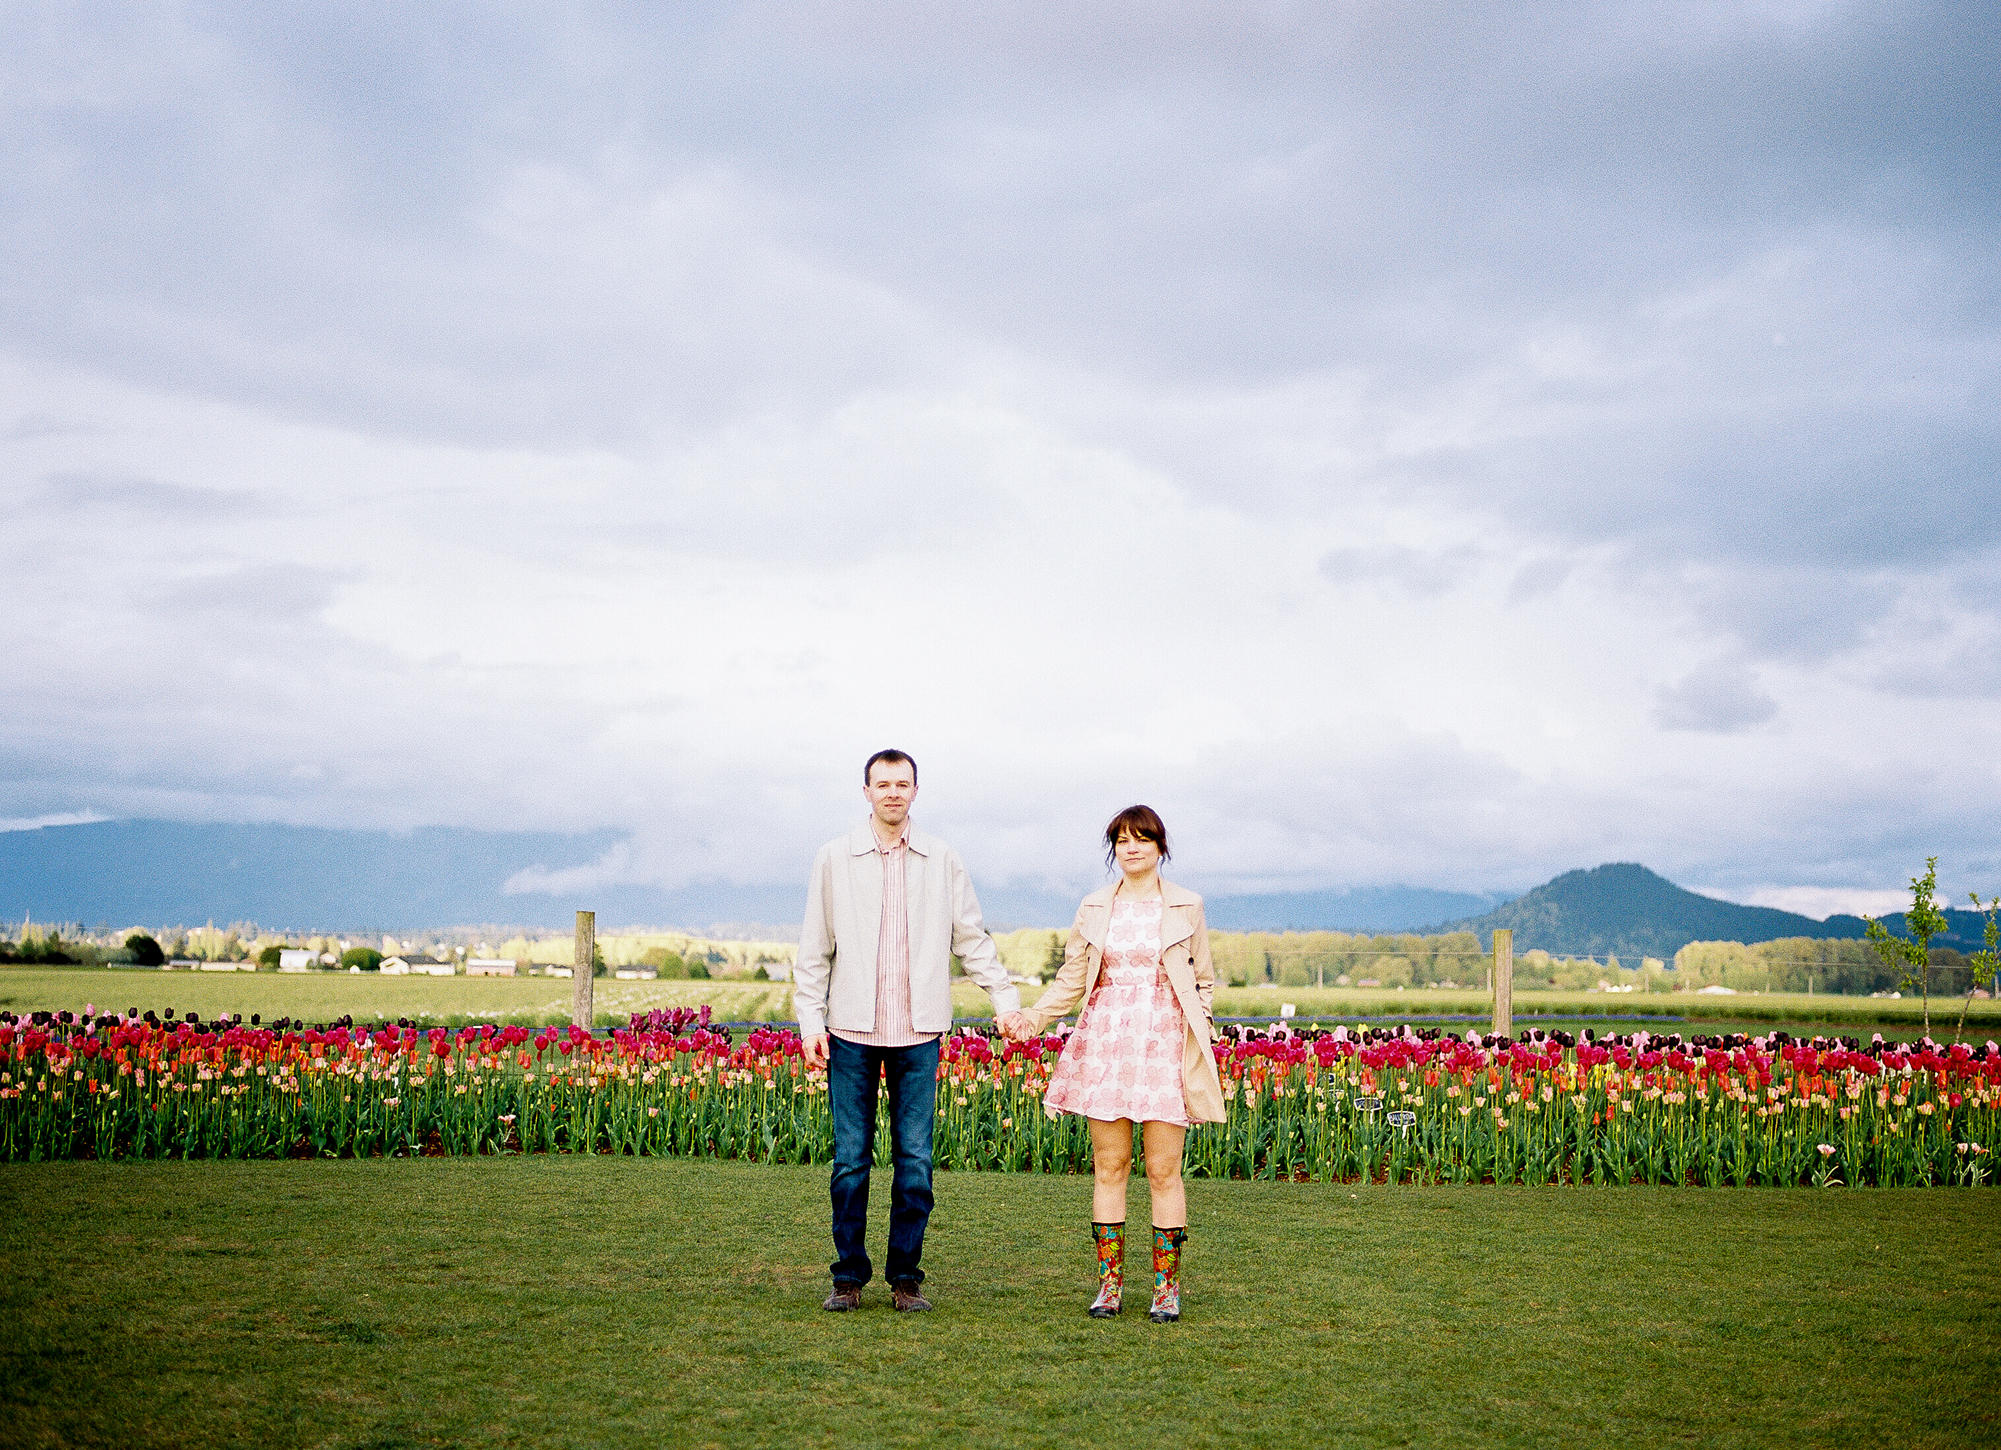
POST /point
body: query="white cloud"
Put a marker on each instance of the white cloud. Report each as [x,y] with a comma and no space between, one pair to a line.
[1722,697]
[1822,902]
[56,818]
[1399,455]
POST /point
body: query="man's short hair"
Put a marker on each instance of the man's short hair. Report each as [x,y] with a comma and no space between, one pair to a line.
[892,757]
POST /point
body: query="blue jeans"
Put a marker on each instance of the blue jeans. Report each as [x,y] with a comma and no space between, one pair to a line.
[853,1073]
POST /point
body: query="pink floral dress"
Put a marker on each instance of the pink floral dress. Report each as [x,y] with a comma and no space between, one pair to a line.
[1124,1059]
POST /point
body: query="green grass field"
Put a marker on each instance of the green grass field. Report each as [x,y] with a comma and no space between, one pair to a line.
[610,1302]
[1772,1009]
[323,996]
[320,997]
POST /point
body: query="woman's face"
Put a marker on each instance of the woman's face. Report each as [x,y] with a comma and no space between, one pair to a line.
[1136,854]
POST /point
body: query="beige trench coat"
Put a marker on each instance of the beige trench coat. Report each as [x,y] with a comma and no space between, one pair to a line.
[1184,954]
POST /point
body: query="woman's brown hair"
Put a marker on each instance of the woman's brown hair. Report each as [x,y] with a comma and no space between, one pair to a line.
[1142,822]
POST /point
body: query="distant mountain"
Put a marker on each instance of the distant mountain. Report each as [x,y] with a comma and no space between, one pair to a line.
[1626,909]
[1360,909]
[306,878]
[1370,909]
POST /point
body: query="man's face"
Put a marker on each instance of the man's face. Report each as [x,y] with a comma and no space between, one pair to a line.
[892,786]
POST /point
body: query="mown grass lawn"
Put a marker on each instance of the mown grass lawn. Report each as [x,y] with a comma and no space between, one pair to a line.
[611,1302]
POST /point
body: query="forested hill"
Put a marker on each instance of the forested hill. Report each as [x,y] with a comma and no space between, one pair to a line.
[1625,908]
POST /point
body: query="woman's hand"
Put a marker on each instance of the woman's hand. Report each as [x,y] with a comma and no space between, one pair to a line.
[1016,1026]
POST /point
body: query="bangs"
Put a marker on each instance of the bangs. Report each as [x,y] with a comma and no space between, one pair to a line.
[1140,822]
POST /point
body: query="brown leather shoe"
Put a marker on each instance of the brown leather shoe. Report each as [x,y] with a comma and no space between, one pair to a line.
[907,1298]
[844,1298]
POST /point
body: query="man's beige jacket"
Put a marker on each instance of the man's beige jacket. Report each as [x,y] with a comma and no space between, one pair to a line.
[834,980]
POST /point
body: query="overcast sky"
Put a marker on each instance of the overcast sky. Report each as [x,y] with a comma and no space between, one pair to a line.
[1442,445]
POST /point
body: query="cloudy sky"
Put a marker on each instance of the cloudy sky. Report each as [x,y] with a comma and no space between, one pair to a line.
[1441,445]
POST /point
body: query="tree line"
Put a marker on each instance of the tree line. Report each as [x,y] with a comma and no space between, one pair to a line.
[1849,966]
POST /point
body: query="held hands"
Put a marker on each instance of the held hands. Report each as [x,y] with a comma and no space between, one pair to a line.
[816,1050]
[1016,1026]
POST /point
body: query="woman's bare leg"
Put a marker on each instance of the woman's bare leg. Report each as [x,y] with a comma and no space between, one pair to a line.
[1111,1165]
[1163,1173]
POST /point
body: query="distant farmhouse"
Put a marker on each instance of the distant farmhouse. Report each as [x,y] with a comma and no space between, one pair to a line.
[416,966]
[489,966]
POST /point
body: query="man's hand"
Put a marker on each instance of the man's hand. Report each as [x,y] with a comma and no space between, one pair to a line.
[816,1050]
[1016,1026]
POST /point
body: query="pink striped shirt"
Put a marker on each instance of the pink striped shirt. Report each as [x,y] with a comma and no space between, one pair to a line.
[892,957]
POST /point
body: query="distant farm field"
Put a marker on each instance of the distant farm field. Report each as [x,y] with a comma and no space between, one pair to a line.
[1790,1010]
[322,997]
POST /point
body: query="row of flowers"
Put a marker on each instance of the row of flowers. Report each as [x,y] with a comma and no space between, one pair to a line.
[1403,1106]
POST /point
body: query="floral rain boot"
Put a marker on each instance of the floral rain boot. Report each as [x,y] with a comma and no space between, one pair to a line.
[1167,1244]
[1111,1238]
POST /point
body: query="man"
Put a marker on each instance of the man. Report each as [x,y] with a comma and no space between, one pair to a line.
[886,910]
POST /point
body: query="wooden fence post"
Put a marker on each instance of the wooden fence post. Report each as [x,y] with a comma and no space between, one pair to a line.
[583,983]
[1504,982]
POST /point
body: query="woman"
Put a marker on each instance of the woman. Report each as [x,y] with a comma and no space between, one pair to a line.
[1138,958]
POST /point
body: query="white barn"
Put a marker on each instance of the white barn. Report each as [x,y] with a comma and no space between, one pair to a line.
[416,966]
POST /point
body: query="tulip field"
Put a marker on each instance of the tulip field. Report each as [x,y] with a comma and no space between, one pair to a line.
[1323,1105]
